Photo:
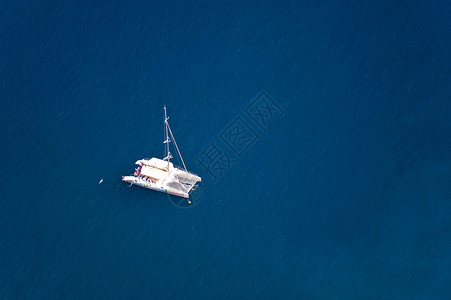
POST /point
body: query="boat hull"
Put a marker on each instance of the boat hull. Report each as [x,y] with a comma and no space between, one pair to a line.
[153,186]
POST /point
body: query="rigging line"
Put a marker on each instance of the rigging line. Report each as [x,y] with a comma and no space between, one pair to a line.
[172,136]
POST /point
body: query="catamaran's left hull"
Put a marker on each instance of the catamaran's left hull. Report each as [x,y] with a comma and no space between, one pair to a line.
[153,186]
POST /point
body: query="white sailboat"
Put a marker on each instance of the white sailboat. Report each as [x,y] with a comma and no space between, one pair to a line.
[160,174]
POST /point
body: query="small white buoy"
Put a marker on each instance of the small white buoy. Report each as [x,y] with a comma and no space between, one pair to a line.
[101,180]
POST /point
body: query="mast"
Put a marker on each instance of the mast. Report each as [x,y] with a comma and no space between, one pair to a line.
[166,133]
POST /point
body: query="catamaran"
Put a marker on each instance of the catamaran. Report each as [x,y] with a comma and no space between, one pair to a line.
[160,174]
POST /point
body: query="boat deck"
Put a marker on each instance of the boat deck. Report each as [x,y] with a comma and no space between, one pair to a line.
[153,172]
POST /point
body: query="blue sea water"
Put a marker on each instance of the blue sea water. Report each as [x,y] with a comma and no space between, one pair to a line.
[344,195]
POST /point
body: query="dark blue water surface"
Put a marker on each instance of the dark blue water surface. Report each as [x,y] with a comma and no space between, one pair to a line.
[345,192]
